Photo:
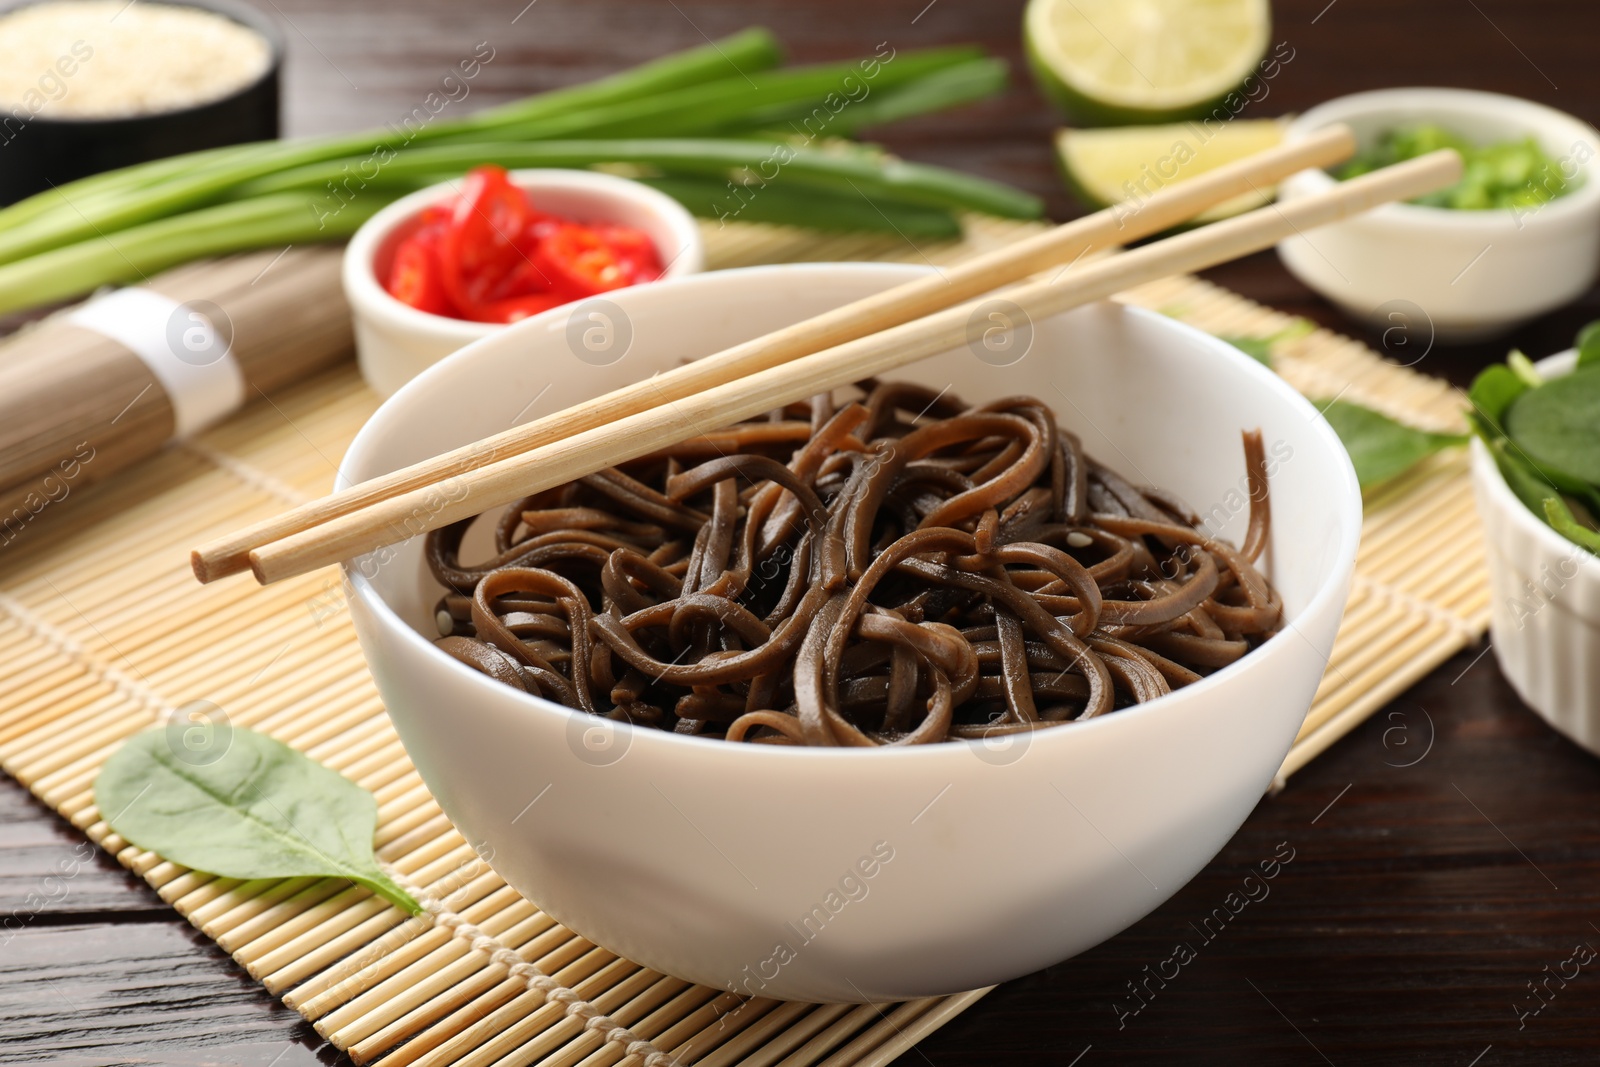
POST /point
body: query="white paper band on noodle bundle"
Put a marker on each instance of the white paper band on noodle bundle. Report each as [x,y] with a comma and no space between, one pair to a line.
[191,360]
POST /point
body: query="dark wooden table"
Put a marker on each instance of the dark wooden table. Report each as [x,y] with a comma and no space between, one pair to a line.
[1446,854]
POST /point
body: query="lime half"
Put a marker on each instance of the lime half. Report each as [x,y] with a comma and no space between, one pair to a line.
[1130,163]
[1117,62]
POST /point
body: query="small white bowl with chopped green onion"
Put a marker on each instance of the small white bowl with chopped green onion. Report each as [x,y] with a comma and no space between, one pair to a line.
[1545,586]
[1523,234]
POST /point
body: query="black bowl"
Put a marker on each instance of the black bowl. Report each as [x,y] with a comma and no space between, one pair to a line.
[37,152]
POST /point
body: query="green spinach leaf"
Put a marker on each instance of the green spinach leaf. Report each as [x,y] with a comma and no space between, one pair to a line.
[1260,348]
[1529,486]
[260,810]
[1257,348]
[1544,435]
[1560,517]
[1493,391]
[1379,447]
[1588,344]
[1558,424]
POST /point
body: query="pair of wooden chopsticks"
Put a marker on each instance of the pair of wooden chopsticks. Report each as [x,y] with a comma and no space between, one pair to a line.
[859,340]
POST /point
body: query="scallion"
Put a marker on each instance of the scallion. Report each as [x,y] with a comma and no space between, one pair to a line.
[676,122]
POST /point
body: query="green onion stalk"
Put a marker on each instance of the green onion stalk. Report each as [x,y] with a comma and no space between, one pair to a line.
[816,210]
[759,144]
[750,163]
[107,201]
[128,255]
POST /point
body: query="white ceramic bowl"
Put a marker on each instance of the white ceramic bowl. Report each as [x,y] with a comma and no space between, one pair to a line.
[710,860]
[395,342]
[1470,273]
[1545,612]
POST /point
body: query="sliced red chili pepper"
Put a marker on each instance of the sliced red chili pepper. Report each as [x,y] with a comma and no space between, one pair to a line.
[541,227]
[480,252]
[579,263]
[528,277]
[414,273]
[490,255]
[634,250]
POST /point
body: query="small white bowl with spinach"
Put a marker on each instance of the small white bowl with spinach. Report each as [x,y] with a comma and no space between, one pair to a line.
[1536,476]
[1518,236]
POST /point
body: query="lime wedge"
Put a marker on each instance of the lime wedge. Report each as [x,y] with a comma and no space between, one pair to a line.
[1129,163]
[1117,62]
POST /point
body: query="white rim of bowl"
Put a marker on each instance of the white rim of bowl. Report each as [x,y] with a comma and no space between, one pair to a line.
[362,278]
[1508,503]
[1377,101]
[1332,585]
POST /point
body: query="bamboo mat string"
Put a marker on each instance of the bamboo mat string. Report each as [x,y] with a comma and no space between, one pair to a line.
[535,979]
[484,978]
[1417,604]
[252,476]
[131,688]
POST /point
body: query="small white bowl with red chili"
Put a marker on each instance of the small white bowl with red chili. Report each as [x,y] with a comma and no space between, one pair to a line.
[449,264]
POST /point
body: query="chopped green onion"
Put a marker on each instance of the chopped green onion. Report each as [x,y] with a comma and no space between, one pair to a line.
[1515,175]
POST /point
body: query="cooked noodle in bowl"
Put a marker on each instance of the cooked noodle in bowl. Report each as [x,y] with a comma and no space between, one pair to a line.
[902,569]
[1025,642]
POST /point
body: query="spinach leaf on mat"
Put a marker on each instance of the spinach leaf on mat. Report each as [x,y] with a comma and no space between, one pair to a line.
[1379,447]
[1260,348]
[1257,348]
[260,810]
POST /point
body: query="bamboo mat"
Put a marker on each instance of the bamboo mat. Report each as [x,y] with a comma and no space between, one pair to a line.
[104,632]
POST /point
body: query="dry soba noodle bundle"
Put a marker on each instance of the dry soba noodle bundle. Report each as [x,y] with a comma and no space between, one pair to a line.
[899,570]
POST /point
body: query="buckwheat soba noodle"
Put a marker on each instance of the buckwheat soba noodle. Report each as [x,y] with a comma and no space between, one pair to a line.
[900,569]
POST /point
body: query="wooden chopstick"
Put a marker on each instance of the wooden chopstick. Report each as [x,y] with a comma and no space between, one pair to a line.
[496,484]
[1160,210]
